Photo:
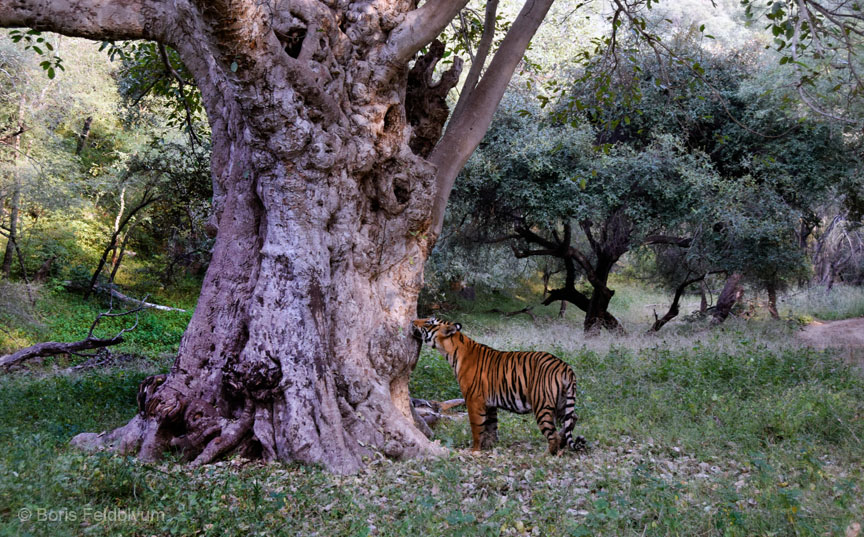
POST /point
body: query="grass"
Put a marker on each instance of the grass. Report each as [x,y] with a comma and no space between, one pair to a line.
[842,302]
[62,316]
[734,431]
[727,432]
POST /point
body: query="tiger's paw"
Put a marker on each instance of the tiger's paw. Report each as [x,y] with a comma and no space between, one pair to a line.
[579,444]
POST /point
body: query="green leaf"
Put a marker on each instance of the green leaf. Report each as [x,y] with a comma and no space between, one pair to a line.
[233,67]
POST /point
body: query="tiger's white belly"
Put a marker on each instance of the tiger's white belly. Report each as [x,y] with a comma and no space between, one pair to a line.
[515,405]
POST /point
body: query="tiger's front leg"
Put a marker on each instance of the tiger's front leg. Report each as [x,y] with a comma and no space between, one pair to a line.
[490,428]
[477,418]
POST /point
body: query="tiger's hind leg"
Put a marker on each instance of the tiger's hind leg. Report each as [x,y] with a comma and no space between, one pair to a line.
[490,428]
[569,419]
[546,421]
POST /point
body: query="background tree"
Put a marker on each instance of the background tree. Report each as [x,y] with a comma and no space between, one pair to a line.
[555,195]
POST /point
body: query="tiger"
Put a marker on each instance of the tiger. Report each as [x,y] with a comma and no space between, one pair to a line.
[516,381]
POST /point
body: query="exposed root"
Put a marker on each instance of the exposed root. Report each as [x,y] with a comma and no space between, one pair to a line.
[232,432]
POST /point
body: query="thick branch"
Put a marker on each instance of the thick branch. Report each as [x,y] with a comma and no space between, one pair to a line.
[93,19]
[568,294]
[465,131]
[560,250]
[586,228]
[479,60]
[419,28]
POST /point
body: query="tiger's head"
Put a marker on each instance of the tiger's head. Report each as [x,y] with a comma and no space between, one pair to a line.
[434,332]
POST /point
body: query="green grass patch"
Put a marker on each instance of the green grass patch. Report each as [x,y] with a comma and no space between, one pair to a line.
[63,316]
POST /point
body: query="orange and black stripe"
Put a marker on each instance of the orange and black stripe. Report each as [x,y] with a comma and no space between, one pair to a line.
[520,382]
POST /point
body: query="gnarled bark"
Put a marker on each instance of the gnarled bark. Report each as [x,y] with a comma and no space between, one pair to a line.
[298,349]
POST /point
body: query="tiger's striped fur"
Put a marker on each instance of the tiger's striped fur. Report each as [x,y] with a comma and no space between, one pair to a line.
[516,381]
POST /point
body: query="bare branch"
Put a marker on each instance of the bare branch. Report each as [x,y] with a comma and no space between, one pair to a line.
[465,131]
[108,313]
[419,28]
[478,61]
[93,19]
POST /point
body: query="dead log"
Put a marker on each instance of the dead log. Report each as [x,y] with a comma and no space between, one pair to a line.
[431,412]
[148,305]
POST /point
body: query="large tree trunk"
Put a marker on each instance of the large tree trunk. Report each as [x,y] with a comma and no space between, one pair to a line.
[324,188]
[299,348]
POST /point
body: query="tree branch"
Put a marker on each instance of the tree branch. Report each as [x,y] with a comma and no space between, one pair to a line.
[50,348]
[92,19]
[674,307]
[568,294]
[479,60]
[465,131]
[419,28]
[683,242]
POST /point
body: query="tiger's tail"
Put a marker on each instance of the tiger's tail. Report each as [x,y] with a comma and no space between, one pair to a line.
[570,417]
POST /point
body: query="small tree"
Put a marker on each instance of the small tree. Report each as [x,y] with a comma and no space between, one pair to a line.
[556,195]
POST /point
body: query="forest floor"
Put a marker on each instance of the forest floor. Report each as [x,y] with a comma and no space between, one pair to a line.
[847,336]
[737,430]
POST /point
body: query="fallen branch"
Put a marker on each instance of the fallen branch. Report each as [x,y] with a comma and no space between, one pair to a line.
[148,305]
[526,310]
[51,348]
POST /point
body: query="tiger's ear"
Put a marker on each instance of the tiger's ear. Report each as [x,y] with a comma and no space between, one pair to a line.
[452,329]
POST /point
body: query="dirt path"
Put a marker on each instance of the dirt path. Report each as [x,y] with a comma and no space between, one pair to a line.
[847,335]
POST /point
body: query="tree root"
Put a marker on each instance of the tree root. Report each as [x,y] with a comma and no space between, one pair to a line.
[230,435]
[433,411]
